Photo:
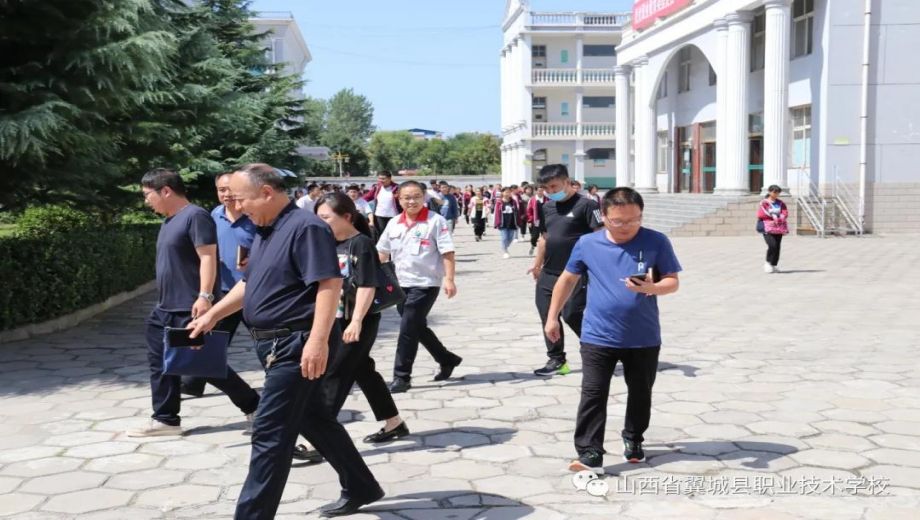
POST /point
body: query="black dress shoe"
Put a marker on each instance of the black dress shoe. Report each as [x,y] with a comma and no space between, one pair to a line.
[398,385]
[312,456]
[382,436]
[348,506]
[447,370]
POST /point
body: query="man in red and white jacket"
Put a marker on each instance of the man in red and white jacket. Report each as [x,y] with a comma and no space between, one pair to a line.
[386,202]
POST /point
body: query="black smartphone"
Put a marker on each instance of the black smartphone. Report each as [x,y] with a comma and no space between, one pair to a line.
[242,254]
[180,338]
[638,277]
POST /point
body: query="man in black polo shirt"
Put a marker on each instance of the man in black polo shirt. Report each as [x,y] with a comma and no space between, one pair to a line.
[566,216]
[186,276]
[289,294]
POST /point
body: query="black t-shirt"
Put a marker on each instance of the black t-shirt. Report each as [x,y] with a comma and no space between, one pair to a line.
[178,265]
[361,268]
[286,262]
[509,215]
[563,223]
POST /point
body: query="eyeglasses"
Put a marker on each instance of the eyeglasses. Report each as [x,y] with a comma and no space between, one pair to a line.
[411,199]
[625,223]
[148,193]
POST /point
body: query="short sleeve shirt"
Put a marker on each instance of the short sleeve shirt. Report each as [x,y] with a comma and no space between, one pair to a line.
[563,223]
[230,236]
[177,264]
[417,250]
[614,315]
[287,261]
[360,268]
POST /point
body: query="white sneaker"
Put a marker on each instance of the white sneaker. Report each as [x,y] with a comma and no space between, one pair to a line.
[506,255]
[775,269]
[250,418]
[155,429]
[767,268]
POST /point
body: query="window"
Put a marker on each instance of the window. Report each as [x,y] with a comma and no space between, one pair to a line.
[564,108]
[712,76]
[565,159]
[801,137]
[663,86]
[564,56]
[600,50]
[758,41]
[538,51]
[539,102]
[598,101]
[663,152]
[803,26]
[600,154]
[683,79]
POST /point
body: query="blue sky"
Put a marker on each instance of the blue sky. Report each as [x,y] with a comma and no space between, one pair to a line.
[422,63]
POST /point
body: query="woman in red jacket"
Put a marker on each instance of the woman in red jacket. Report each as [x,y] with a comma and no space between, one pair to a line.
[773,215]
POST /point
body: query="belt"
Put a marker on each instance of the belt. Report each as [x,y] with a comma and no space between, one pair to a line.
[283,332]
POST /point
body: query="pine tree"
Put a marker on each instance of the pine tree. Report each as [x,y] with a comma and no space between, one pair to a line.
[70,69]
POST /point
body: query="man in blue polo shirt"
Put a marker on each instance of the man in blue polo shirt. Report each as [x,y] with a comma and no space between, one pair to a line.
[289,296]
[234,232]
[628,267]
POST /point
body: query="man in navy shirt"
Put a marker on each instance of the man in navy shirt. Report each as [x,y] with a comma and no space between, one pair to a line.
[234,235]
[628,267]
[186,276]
[289,295]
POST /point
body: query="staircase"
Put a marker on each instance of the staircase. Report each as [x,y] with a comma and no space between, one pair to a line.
[697,214]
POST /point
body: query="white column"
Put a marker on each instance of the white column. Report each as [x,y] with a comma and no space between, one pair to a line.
[528,162]
[579,56]
[505,88]
[721,93]
[580,161]
[646,134]
[733,179]
[526,73]
[622,124]
[776,94]
[504,172]
[579,101]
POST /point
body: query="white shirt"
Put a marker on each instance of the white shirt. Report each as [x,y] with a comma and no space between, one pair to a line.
[386,206]
[417,251]
[305,202]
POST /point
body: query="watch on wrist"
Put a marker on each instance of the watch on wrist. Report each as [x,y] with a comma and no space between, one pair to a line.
[207,296]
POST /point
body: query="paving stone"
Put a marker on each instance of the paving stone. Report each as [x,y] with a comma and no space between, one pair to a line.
[63,483]
[88,500]
[18,503]
[147,479]
[41,467]
[178,496]
[124,463]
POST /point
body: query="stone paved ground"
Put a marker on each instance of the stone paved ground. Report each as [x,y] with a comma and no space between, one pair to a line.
[777,394]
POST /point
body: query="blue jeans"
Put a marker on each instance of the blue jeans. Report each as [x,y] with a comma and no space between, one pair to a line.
[507,237]
[292,404]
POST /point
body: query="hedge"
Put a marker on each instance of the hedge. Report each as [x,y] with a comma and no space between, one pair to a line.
[51,274]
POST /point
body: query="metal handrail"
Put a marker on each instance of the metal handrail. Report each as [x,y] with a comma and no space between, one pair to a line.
[812,206]
[843,197]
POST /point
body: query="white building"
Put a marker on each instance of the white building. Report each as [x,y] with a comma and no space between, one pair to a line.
[284,41]
[730,96]
[557,85]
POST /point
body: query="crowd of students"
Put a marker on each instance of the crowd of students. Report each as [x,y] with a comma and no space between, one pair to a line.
[308,290]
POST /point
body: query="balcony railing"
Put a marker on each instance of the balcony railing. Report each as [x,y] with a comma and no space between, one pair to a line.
[592,20]
[554,130]
[572,76]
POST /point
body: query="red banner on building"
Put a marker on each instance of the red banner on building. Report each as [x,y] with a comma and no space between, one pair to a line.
[645,12]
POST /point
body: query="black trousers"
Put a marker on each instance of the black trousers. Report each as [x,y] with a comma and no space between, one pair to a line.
[523,228]
[353,364]
[292,404]
[229,324]
[479,226]
[572,312]
[164,389]
[640,365]
[413,328]
[380,223]
[534,235]
[773,245]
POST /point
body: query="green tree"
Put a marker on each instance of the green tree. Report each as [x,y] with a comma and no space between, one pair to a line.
[69,71]
[474,154]
[392,151]
[348,126]
[436,156]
